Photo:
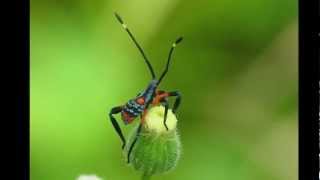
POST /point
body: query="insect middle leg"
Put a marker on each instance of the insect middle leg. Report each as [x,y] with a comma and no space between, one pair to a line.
[116,126]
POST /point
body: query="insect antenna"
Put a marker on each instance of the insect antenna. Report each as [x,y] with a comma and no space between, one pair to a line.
[136,43]
[169,58]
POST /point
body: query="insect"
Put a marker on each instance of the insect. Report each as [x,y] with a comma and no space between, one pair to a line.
[138,106]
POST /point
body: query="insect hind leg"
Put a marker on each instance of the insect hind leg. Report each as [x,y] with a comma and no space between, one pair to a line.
[116,126]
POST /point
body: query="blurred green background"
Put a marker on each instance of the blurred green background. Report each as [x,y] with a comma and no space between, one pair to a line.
[236,70]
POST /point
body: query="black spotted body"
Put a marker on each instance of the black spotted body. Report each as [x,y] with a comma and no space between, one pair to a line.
[135,107]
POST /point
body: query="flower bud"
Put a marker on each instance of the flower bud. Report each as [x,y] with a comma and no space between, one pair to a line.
[157,149]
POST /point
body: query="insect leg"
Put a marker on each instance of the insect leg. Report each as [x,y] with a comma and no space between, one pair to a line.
[116,126]
[165,102]
[134,142]
[178,100]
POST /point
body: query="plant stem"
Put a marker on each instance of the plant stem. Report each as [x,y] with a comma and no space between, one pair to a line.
[146,177]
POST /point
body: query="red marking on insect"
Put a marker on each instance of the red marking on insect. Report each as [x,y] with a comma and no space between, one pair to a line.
[126,117]
[140,101]
[159,97]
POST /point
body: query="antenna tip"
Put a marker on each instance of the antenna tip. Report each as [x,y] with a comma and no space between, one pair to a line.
[118,17]
[177,41]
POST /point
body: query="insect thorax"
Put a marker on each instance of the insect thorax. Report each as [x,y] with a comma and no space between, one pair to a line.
[149,92]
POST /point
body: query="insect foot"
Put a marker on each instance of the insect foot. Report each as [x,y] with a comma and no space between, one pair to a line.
[157,150]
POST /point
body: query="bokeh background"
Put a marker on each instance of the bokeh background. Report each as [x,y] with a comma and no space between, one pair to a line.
[236,70]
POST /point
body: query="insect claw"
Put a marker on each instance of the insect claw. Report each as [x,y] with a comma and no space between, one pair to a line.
[128,158]
[166,127]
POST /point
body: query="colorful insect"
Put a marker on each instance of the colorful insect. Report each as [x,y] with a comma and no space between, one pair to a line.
[151,95]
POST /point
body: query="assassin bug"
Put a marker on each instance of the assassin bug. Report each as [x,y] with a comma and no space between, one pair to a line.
[151,95]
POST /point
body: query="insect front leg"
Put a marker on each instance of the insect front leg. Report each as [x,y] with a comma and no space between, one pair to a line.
[116,126]
[178,100]
[162,97]
[165,103]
